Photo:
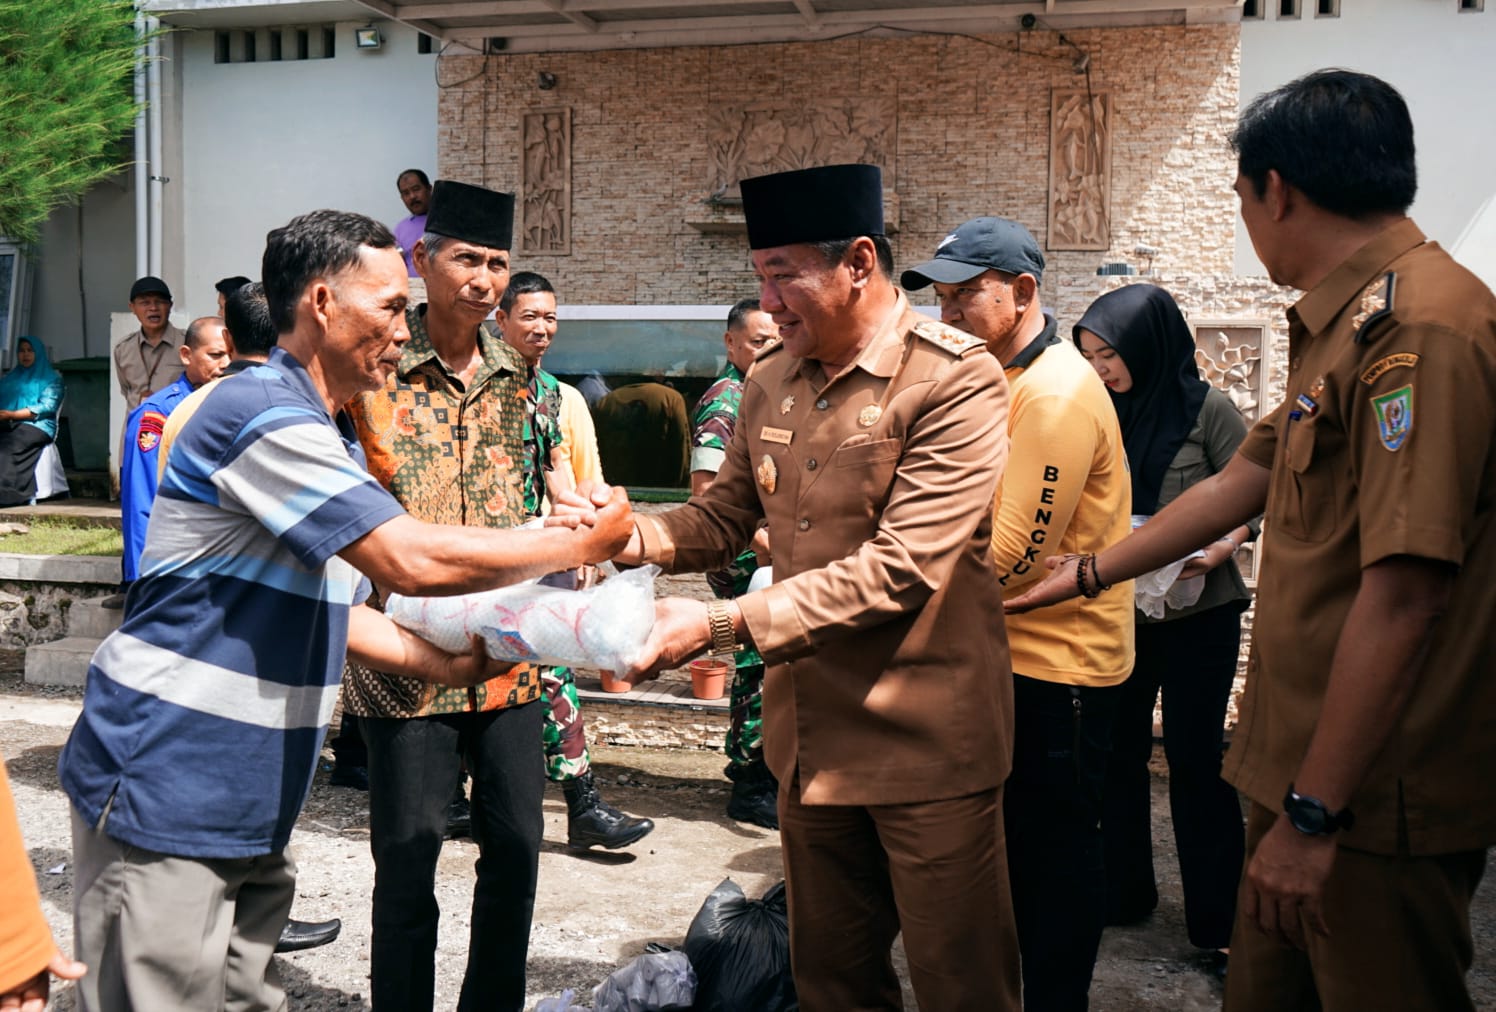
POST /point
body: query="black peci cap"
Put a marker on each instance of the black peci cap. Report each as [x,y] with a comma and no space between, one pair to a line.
[472,214]
[812,205]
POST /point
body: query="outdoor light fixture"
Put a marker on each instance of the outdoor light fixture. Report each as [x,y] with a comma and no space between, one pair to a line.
[547,80]
[367,38]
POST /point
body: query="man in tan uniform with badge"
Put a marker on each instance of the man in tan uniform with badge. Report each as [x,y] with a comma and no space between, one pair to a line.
[871,440]
[1365,742]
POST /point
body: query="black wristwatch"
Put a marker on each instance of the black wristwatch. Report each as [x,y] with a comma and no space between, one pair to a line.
[1310,816]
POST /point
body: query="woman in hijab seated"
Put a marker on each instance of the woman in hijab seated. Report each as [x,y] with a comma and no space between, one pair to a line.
[30,396]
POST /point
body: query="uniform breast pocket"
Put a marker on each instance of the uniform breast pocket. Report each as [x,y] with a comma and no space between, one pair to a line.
[866,470]
[1307,503]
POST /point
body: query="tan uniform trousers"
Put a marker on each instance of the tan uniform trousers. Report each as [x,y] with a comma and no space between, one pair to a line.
[1399,938]
[938,870]
[162,933]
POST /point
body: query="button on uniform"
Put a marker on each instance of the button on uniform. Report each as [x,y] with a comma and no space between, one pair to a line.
[811,465]
[822,404]
[805,525]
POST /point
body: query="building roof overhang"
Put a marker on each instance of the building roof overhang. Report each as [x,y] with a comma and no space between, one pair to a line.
[560,25]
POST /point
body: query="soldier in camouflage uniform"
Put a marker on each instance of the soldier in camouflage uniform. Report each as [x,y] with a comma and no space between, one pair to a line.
[527,323]
[754,788]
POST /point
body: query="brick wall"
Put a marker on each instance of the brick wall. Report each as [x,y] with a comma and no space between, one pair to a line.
[972,138]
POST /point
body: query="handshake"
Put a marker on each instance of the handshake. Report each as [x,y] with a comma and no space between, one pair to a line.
[600,513]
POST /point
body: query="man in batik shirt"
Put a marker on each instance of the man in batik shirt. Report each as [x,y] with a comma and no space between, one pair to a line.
[527,322]
[749,330]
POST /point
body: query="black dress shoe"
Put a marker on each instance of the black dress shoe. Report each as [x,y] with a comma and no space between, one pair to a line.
[356,777]
[298,935]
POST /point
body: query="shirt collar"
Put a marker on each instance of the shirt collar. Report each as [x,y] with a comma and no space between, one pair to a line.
[1048,336]
[287,365]
[1324,302]
[419,351]
[171,335]
[883,353]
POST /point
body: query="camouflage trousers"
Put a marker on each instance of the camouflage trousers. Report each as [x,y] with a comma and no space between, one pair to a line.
[745,732]
[564,737]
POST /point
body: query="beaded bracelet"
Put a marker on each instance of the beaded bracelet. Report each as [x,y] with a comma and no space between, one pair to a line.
[1080,577]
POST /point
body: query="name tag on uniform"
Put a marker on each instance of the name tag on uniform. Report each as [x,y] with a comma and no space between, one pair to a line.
[773,435]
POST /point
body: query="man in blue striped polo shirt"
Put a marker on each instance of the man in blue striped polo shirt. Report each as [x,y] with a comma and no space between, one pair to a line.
[249,596]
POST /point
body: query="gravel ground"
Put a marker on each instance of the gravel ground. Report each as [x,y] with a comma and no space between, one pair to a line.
[595,911]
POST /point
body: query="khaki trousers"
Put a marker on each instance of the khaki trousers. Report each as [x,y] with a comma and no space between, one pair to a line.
[938,871]
[162,933]
[1399,938]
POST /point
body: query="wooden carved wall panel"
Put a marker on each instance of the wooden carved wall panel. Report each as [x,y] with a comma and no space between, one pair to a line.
[545,182]
[745,141]
[1232,356]
[1080,170]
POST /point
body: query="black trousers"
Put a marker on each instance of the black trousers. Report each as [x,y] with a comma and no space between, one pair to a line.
[1052,811]
[20,445]
[413,768]
[1193,661]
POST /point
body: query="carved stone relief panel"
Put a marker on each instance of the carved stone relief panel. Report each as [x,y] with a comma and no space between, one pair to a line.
[752,140]
[545,182]
[1080,169]
[1233,357]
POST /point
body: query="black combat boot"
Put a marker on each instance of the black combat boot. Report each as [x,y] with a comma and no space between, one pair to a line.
[755,795]
[592,822]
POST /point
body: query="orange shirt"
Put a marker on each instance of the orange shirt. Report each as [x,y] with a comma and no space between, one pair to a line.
[25,940]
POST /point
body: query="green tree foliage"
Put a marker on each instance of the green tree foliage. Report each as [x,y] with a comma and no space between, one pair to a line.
[66,101]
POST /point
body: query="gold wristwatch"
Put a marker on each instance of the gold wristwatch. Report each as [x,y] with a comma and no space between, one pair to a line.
[719,624]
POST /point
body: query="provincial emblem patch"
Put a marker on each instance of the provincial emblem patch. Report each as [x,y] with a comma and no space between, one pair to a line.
[1394,411]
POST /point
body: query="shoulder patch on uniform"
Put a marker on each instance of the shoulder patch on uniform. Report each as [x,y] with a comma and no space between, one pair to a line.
[1376,305]
[768,349]
[955,341]
[1382,366]
[149,434]
[1394,414]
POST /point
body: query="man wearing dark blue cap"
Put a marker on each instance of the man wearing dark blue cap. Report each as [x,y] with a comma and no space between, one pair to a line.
[1065,491]
[871,440]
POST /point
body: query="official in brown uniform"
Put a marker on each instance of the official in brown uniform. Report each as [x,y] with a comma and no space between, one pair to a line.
[1367,742]
[872,440]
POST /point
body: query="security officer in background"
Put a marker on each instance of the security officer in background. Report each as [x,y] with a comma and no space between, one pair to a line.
[871,440]
[1066,490]
[203,356]
[1365,740]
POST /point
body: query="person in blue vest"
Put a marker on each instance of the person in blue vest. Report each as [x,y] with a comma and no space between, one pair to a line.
[205,353]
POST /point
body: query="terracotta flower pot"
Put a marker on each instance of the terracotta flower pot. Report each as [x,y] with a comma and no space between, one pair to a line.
[708,678]
[612,683]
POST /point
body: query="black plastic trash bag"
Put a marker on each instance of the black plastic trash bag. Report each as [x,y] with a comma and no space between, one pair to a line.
[740,949]
[653,982]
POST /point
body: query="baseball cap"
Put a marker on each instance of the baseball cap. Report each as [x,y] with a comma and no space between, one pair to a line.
[149,286]
[982,244]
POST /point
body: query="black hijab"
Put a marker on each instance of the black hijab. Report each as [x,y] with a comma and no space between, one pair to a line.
[1145,327]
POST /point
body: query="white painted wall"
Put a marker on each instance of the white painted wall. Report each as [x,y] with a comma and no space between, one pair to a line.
[1442,60]
[263,142]
[77,286]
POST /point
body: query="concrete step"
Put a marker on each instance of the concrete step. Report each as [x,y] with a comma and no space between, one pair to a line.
[86,618]
[61,662]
